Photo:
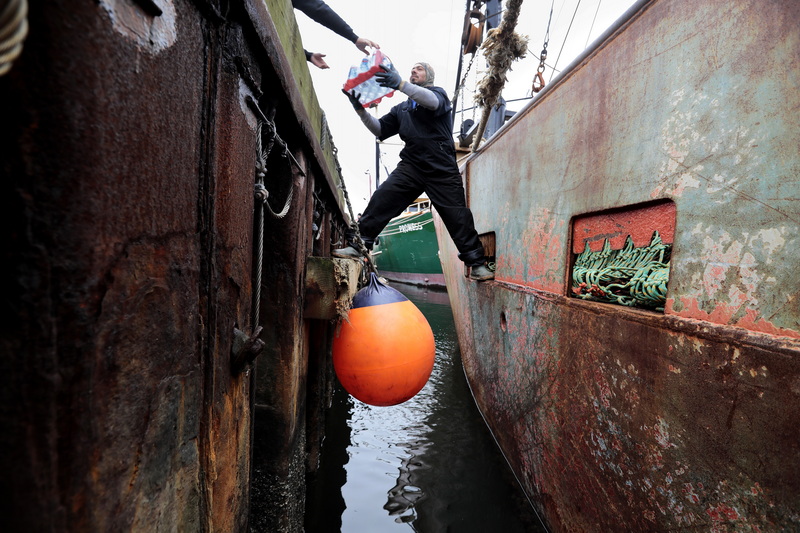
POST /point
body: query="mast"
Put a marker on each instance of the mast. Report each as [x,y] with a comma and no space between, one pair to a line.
[458,74]
[494,10]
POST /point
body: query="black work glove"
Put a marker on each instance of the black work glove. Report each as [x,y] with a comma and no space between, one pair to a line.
[389,78]
[353,97]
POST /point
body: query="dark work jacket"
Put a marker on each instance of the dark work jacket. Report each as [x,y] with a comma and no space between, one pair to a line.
[320,12]
[427,134]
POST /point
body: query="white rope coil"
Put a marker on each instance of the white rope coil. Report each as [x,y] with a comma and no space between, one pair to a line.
[13,30]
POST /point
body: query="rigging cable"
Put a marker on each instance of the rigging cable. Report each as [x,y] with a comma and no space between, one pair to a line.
[262,154]
[593,21]
[566,36]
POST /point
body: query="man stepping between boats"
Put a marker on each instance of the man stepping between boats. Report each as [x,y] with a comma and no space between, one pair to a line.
[427,164]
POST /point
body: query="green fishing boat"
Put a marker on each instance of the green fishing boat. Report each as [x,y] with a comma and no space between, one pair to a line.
[407,250]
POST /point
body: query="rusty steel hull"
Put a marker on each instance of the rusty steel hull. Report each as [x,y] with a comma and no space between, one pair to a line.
[132,253]
[616,418]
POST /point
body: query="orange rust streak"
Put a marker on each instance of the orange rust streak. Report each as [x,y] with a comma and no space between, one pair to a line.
[615,226]
[722,314]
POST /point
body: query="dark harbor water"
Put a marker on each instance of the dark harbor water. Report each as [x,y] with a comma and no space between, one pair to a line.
[428,465]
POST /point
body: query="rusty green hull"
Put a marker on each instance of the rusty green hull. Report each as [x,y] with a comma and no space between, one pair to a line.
[623,419]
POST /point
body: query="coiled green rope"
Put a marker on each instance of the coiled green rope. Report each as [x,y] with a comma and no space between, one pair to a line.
[635,277]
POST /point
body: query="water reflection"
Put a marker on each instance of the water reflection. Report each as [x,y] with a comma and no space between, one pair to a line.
[427,465]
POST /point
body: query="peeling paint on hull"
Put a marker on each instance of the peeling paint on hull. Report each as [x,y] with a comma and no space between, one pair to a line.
[615,418]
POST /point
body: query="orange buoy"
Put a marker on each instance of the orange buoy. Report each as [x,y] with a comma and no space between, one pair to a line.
[384,352]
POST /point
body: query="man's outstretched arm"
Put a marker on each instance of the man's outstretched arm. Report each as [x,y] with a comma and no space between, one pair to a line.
[372,123]
[424,97]
[320,12]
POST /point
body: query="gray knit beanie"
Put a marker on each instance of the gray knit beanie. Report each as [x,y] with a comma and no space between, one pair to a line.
[429,74]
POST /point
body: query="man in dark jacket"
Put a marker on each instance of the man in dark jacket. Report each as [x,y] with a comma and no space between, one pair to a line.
[320,12]
[427,164]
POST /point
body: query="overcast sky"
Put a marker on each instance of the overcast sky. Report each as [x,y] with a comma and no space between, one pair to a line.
[409,31]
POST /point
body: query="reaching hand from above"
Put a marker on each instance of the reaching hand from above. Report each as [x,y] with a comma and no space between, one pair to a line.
[362,45]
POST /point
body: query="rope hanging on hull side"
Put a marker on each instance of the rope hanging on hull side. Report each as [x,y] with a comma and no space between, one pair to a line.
[261,192]
[262,154]
[13,30]
[261,166]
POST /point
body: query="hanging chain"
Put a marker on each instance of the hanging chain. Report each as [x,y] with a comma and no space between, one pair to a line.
[463,81]
[475,83]
[538,78]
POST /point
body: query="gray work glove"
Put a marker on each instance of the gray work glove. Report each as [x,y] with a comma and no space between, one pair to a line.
[389,78]
[353,97]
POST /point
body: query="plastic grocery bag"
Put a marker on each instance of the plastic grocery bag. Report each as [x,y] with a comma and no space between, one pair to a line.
[361,79]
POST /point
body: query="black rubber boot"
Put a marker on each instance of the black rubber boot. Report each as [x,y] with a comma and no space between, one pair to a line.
[481,273]
[348,252]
